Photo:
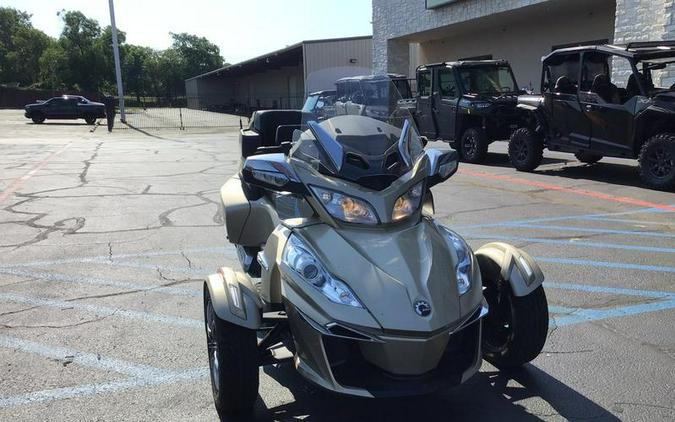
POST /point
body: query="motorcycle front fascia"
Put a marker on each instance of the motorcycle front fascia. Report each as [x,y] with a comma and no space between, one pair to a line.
[386,331]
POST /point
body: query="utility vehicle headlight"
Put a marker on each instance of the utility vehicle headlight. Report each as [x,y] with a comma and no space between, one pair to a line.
[306,265]
[464,267]
[345,207]
[408,203]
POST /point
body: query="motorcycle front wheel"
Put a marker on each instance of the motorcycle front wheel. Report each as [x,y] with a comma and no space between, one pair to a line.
[233,363]
[515,328]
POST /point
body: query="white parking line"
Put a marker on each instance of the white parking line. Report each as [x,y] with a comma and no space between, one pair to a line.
[103,310]
[102,388]
[228,251]
[89,360]
[95,281]
[141,375]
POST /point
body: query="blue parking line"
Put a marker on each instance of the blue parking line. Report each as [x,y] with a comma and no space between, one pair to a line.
[606,264]
[580,243]
[591,230]
[565,217]
[610,290]
[586,315]
[627,221]
[571,316]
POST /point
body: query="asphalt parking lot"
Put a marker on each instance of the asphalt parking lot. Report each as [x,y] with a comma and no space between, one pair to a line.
[105,240]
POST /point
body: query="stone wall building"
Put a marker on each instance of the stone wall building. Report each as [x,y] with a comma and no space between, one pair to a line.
[407,33]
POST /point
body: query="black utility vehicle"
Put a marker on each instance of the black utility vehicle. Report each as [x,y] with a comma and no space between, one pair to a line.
[321,104]
[65,107]
[604,100]
[467,103]
[268,130]
[369,95]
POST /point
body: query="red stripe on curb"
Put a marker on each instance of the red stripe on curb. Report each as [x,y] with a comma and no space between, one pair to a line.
[16,184]
[582,192]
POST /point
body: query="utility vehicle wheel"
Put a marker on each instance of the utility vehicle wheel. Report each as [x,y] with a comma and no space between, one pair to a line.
[525,150]
[474,145]
[233,363]
[656,162]
[90,120]
[588,157]
[515,328]
[37,118]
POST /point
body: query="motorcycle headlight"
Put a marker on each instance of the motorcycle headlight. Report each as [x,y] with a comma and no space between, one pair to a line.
[464,267]
[345,207]
[297,256]
[408,203]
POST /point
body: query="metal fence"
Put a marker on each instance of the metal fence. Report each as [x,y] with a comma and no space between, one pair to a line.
[202,111]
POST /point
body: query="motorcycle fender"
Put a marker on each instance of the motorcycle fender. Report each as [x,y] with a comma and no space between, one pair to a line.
[234,298]
[511,264]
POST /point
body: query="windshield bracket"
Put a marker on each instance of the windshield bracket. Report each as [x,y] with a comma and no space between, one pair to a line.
[331,147]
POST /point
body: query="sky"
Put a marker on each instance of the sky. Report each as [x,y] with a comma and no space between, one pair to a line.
[241,28]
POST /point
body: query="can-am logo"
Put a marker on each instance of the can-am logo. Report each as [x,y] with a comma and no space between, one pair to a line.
[422,308]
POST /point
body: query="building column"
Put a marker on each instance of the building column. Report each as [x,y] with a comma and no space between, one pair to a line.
[389,55]
[646,20]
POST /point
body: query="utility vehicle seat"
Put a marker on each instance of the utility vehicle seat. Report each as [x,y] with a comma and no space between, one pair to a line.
[270,120]
[605,89]
[632,86]
[564,85]
[264,130]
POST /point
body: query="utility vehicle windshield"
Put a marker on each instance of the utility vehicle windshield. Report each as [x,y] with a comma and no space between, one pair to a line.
[487,79]
[363,144]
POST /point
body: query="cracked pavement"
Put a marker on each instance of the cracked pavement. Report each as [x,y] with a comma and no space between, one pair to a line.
[106,238]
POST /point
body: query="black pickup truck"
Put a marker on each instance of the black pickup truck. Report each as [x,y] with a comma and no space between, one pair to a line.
[65,107]
[468,104]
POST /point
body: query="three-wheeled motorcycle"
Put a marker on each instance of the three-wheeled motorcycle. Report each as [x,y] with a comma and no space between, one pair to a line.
[346,275]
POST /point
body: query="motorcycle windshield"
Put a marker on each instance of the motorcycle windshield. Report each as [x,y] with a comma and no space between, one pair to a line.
[369,139]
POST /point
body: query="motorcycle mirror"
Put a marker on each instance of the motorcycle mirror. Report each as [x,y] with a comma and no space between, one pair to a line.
[272,172]
[442,165]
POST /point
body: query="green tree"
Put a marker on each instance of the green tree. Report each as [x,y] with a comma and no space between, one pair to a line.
[136,66]
[86,65]
[53,65]
[197,54]
[21,46]
[82,58]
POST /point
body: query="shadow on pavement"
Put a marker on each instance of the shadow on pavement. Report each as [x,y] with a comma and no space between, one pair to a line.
[612,173]
[495,159]
[59,124]
[491,395]
[616,174]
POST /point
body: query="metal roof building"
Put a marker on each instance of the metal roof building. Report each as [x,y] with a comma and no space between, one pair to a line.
[282,78]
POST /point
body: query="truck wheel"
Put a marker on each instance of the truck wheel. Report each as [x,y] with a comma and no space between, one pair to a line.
[37,117]
[525,150]
[515,328]
[474,145]
[233,363]
[656,162]
[588,157]
[90,119]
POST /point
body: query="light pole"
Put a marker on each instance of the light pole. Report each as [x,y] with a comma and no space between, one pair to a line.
[116,54]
